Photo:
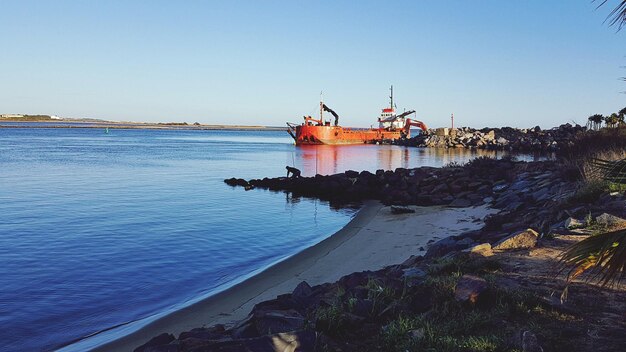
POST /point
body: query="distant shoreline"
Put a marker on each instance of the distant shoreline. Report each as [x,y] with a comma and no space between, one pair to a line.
[132,125]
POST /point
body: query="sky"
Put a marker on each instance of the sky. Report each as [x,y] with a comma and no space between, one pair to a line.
[490,62]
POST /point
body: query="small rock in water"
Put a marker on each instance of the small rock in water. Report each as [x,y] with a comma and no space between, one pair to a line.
[522,240]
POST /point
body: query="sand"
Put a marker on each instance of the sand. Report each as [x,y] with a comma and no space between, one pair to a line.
[375,238]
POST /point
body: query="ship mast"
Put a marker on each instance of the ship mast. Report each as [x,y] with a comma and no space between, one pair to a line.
[391,97]
[321,107]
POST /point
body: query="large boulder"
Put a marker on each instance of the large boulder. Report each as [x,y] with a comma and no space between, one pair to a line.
[521,240]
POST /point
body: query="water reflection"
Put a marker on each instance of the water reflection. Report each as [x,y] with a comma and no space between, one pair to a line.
[327,159]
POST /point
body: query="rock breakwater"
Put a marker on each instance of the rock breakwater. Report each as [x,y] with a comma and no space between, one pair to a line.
[525,140]
[454,186]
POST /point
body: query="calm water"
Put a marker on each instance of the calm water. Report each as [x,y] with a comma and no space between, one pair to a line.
[98,230]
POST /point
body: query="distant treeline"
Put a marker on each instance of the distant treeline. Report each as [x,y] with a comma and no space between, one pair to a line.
[174,123]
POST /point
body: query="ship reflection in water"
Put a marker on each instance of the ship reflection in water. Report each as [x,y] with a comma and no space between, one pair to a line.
[329,159]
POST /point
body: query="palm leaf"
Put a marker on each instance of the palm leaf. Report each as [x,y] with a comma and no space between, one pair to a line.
[617,15]
[602,257]
[611,171]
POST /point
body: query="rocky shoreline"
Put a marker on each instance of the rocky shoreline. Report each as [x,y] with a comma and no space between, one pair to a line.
[506,138]
[541,206]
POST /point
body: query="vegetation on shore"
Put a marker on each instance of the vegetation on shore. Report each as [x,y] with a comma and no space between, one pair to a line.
[601,157]
[492,323]
[27,118]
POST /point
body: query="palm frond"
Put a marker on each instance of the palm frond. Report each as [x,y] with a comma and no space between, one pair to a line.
[617,16]
[609,170]
[602,257]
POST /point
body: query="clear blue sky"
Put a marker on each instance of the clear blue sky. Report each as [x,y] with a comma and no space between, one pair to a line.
[492,63]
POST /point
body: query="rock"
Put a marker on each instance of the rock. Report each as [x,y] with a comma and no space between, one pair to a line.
[442,247]
[265,319]
[279,321]
[363,307]
[301,340]
[483,250]
[401,210]
[460,203]
[212,333]
[499,187]
[302,293]
[610,221]
[572,223]
[530,343]
[465,242]
[416,334]
[413,273]
[502,141]
[413,260]
[469,288]
[161,340]
[511,207]
[513,226]
[522,240]
[541,195]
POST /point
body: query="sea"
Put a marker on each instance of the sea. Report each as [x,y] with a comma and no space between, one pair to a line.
[103,231]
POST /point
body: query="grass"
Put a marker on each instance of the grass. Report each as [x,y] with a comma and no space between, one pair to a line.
[595,144]
[330,320]
[490,325]
[452,326]
[589,192]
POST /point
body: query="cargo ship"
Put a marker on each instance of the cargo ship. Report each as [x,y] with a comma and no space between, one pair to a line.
[391,126]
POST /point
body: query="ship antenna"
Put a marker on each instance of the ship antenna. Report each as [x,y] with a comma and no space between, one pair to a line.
[321,107]
[391,96]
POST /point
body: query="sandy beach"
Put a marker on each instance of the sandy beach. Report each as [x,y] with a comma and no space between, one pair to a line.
[373,239]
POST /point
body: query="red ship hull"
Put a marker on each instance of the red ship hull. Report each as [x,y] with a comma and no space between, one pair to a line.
[306,134]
